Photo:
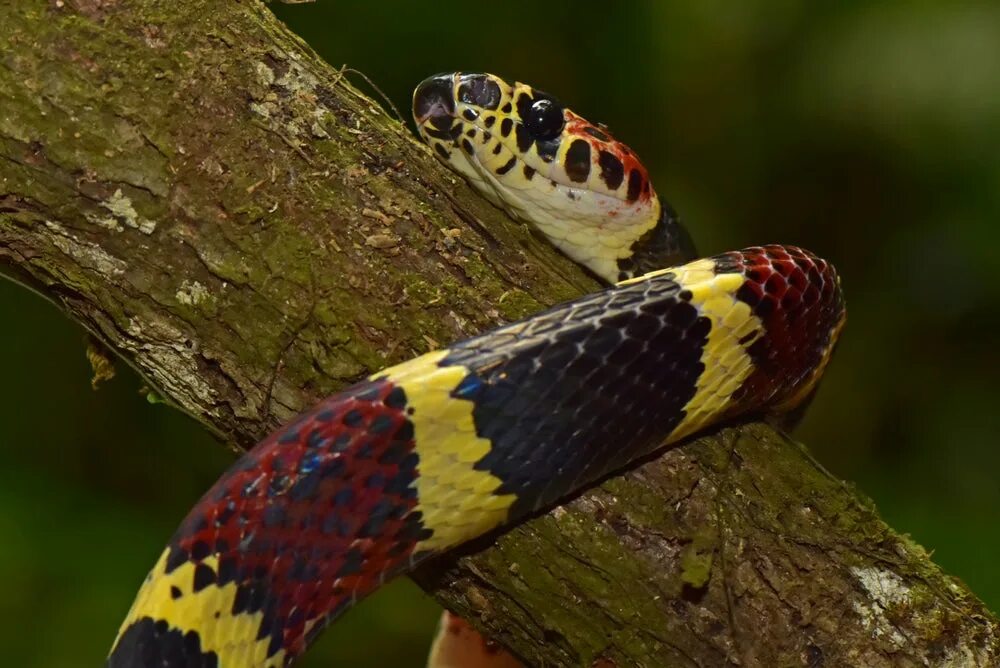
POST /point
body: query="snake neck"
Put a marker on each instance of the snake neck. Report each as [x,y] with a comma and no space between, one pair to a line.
[643,237]
[666,244]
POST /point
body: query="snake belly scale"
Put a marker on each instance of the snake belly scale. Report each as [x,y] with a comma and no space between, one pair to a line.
[428,454]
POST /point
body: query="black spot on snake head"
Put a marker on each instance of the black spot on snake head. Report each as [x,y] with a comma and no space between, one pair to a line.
[597,134]
[434,101]
[524,138]
[612,170]
[634,185]
[479,90]
[547,150]
[578,161]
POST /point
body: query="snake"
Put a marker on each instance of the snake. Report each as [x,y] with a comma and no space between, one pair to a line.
[421,457]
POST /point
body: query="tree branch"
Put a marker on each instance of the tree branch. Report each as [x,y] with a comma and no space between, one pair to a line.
[192,184]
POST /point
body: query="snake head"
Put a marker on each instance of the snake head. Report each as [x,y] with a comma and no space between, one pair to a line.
[528,153]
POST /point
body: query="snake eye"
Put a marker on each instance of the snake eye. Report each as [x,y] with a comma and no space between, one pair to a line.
[544,119]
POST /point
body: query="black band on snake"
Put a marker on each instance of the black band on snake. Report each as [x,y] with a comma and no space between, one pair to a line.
[426,455]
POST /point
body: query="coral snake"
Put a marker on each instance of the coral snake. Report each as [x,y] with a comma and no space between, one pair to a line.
[423,456]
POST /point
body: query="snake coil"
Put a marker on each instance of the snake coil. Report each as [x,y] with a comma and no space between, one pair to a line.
[423,456]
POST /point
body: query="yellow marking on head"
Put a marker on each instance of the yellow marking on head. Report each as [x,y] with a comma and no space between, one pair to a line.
[458,502]
[726,360]
[208,612]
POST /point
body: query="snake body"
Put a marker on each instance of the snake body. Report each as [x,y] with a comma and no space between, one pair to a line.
[428,454]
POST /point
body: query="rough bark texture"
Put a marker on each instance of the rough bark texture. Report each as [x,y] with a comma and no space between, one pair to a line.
[196,187]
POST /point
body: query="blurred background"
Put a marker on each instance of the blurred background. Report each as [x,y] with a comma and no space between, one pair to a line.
[867,133]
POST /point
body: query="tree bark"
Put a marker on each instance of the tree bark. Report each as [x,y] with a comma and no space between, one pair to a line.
[223,210]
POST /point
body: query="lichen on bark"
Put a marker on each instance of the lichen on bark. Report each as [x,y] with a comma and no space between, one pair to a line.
[229,215]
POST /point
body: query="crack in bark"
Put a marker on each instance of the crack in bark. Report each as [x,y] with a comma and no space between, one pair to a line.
[266,411]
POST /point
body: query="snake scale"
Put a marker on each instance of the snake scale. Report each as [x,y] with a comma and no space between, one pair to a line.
[423,456]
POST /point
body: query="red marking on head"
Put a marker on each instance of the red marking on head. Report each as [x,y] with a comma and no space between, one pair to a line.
[601,140]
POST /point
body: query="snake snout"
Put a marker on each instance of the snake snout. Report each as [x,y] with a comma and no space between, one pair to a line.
[434,101]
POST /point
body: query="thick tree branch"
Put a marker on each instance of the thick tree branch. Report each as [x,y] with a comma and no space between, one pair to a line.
[191,183]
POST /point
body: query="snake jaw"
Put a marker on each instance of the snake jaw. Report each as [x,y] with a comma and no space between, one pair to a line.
[541,162]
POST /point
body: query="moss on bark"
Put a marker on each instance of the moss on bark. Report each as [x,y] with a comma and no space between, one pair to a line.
[733,549]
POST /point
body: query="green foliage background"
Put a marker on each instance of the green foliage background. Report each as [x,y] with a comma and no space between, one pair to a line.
[867,132]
